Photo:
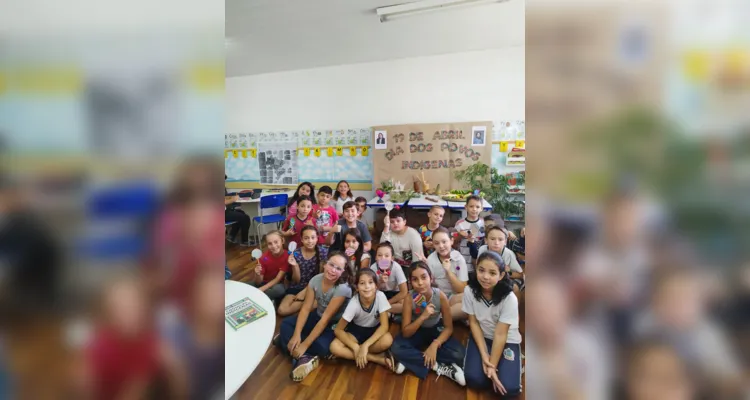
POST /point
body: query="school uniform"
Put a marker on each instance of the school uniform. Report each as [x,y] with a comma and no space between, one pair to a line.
[488,315]
[469,250]
[458,267]
[363,322]
[395,278]
[409,351]
[320,347]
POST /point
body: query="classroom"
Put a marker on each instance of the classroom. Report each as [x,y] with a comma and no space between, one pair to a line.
[375,152]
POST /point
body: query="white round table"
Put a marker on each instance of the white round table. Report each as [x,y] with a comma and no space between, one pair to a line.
[246,346]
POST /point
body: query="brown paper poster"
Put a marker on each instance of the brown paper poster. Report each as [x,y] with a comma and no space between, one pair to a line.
[404,152]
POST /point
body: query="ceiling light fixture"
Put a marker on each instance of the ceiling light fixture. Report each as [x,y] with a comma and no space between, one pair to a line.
[422,6]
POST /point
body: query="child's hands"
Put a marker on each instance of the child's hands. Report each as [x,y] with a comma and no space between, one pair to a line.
[428,311]
[317,214]
[292,261]
[487,366]
[428,244]
[336,229]
[470,237]
[362,356]
[421,257]
[294,342]
[497,386]
[430,355]
[511,235]
[258,270]
[300,350]
[290,232]
[464,234]
[383,279]
[523,232]
[446,265]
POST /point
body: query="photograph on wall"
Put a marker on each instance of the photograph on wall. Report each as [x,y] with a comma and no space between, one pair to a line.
[381,140]
[478,135]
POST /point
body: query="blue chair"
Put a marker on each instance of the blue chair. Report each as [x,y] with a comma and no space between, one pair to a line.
[266,202]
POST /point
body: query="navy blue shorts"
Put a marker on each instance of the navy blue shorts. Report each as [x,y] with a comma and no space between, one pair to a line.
[360,332]
[293,291]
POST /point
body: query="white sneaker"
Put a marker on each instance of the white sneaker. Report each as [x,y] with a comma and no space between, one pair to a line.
[452,371]
[400,369]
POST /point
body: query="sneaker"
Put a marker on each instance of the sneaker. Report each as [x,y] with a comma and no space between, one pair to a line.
[232,239]
[305,365]
[452,371]
[400,369]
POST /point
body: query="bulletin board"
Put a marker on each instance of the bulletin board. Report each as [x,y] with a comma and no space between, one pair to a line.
[432,151]
[319,155]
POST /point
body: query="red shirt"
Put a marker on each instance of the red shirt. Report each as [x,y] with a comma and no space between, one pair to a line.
[271,265]
[298,225]
[117,361]
[327,217]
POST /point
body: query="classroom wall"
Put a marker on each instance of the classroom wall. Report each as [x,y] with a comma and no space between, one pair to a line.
[471,86]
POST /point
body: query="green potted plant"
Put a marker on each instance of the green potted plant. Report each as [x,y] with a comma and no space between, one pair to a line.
[495,189]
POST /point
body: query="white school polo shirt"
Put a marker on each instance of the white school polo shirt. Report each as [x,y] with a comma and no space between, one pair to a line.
[488,315]
[357,315]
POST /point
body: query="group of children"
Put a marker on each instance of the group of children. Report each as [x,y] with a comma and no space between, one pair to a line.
[339,302]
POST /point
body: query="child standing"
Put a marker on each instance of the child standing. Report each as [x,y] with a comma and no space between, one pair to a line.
[391,279]
[272,266]
[308,335]
[293,225]
[325,215]
[342,195]
[350,221]
[304,189]
[442,353]
[496,241]
[362,332]
[304,263]
[406,242]
[435,216]
[361,207]
[467,226]
[493,353]
[354,249]
[448,267]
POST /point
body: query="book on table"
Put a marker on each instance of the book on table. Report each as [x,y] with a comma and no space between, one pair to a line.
[243,312]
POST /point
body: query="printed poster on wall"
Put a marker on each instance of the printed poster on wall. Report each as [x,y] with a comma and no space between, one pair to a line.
[435,151]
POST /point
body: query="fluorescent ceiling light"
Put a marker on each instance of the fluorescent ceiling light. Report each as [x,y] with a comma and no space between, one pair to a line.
[422,6]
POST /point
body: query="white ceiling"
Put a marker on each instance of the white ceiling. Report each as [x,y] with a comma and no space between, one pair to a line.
[267,36]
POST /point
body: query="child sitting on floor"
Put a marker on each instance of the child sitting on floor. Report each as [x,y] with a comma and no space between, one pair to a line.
[422,346]
[308,335]
[435,216]
[354,249]
[362,332]
[304,263]
[391,279]
[272,266]
[350,221]
[493,353]
[449,270]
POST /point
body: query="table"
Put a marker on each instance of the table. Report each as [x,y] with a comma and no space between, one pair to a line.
[373,203]
[421,202]
[246,346]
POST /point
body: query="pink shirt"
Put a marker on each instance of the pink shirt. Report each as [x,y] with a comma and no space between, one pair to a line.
[328,217]
[292,211]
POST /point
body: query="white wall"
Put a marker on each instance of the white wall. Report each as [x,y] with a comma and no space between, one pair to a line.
[486,85]
[473,86]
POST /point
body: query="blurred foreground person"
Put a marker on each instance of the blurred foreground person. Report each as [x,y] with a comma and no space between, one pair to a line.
[125,357]
[30,317]
[656,371]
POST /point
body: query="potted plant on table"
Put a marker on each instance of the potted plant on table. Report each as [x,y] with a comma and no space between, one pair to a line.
[495,187]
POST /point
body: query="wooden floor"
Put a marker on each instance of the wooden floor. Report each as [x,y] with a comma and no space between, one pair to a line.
[340,379]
